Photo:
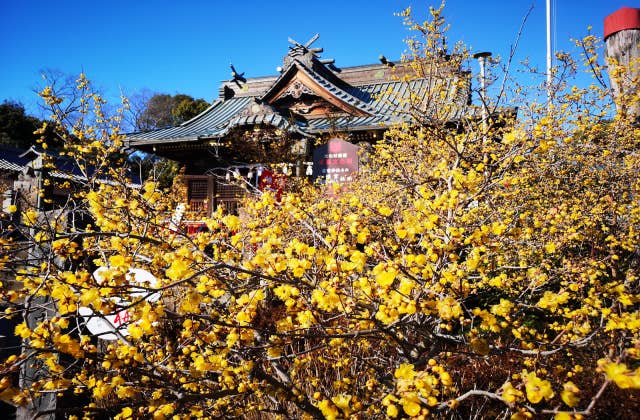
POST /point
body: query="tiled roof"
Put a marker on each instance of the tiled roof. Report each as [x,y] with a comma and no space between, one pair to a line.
[385,103]
[17,160]
[374,94]
[11,159]
[212,122]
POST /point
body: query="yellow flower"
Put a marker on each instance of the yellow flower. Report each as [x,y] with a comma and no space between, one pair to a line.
[503,308]
[305,318]
[411,404]
[328,410]
[116,261]
[136,331]
[177,269]
[164,410]
[568,394]
[620,374]
[22,330]
[445,378]
[536,388]
[89,296]
[521,415]
[385,210]
[126,413]
[392,411]
[511,394]
[232,222]
[342,401]
[385,276]
[29,217]
[449,308]
[405,371]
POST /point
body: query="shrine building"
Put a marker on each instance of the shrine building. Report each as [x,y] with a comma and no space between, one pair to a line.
[275,122]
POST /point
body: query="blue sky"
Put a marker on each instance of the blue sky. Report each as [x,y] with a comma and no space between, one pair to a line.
[186,47]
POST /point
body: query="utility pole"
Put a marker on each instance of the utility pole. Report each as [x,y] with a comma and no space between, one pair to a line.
[549,57]
[37,309]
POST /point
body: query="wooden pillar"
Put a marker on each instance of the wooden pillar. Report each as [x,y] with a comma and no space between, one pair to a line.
[622,37]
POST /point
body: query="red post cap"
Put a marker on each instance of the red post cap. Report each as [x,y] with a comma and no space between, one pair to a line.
[621,19]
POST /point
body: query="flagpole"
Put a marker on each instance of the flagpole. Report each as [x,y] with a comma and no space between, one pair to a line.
[549,58]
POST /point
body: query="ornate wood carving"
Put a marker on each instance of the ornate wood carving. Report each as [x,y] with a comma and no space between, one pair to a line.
[310,105]
[299,87]
[296,89]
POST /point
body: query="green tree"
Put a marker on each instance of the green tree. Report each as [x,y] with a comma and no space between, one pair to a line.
[148,112]
[187,107]
[16,127]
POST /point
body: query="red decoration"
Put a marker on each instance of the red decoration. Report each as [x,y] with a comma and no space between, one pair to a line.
[624,18]
[272,181]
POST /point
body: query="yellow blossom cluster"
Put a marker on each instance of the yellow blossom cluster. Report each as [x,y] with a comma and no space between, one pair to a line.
[487,267]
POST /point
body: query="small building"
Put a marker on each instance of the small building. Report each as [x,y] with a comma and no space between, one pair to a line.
[39,179]
[276,121]
[13,174]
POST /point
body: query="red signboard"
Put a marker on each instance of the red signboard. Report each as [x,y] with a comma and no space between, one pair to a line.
[336,161]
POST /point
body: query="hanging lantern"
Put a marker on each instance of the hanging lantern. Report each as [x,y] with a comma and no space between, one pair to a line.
[309,171]
[250,174]
[285,169]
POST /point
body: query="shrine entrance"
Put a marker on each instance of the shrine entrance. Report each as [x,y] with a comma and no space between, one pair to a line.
[205,193]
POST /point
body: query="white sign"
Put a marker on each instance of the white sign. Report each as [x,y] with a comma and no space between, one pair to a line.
[114,326]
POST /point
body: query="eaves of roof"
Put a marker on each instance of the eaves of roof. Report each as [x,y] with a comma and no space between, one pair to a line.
[272,119]
[346,123]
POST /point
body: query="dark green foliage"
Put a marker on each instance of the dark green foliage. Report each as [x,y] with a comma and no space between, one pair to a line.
[188,108]
[16,127]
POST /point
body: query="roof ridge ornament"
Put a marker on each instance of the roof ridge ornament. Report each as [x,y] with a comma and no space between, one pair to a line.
[305,47]
[237,77]
[302,52]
